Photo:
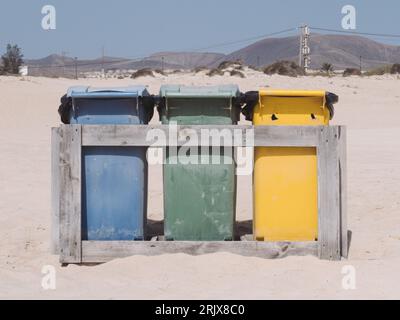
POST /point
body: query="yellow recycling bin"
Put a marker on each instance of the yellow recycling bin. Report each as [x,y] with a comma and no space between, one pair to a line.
[286,178]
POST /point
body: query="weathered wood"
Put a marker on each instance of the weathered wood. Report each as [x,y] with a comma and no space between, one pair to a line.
[103,251]
[70,194]
[144,135]
[343,190]
[328,195]
[286,136]
[322,189]
[331,146]
[55,191]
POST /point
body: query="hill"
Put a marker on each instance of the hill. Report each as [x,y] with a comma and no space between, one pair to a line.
[343,51]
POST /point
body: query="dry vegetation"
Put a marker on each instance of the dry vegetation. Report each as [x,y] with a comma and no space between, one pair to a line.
[351,72]
[143,73]
[237,64]
[237,73]
[200,69]
[284,68]
[215,72]
[378,71]
[395,68]
[159,71]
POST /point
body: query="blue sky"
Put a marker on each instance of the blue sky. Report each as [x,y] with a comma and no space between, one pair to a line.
[131,28]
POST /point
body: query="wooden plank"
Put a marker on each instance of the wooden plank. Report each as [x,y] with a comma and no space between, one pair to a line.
[70,194]
[322,189]
[103,251]
[149,135]
[55,191]
[328,195]
[343,190]
[145,135]
[286,136]
[115,135]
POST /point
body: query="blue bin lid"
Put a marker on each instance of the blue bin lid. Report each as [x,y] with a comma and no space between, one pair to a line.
[180,91]
[80,92]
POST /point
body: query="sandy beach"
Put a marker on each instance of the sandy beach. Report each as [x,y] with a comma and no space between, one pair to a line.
[368,106]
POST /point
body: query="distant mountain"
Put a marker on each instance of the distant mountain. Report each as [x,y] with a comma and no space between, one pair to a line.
[57,65]
[342,51]
[53,59]
[187,60]
[58,60]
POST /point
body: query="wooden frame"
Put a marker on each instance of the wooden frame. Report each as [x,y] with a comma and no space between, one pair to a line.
[67,143]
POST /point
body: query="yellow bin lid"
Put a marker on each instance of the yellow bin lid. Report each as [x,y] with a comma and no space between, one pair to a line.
[328,98]
[292,93]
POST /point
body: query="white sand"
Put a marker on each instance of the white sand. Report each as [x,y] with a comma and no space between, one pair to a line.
[370,107]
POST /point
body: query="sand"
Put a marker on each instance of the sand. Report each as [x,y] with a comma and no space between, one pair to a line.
[370,107]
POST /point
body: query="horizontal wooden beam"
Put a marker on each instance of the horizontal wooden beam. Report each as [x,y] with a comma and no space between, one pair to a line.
[287,136]
[237,136]
[104,251]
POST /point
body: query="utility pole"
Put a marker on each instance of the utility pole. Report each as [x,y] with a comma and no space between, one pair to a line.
[162,64]
[102,61]
[63,55]
[304,52]
[76,68]
[360,63]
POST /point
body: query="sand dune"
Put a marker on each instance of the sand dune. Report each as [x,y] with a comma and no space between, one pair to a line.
[370,107]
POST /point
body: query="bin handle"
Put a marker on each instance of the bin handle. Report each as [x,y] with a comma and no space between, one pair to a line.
[250,100]
[166,108]
[330,100]
[65,109]
[199,95]
[103,95]
[231,107]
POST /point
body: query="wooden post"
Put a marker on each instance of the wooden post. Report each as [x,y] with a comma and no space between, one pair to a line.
[343,190]
[70,194]
[329,231]
[55,191]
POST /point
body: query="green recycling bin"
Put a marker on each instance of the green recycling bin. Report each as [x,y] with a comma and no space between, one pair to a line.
[199,198]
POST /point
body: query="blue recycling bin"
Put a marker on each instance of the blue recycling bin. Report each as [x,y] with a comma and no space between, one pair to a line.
[114,179]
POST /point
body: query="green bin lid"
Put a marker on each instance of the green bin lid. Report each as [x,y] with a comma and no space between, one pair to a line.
[180,91]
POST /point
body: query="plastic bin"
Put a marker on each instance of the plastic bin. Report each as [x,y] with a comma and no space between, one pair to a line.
[114,179]
[199,199]
[286,179]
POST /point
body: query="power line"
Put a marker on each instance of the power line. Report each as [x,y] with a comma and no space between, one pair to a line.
[246,40]
[102,60]
[218,45]
[135,59]
[76,68]
[224,44]
[83,64]
[359,33]
[264,36]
